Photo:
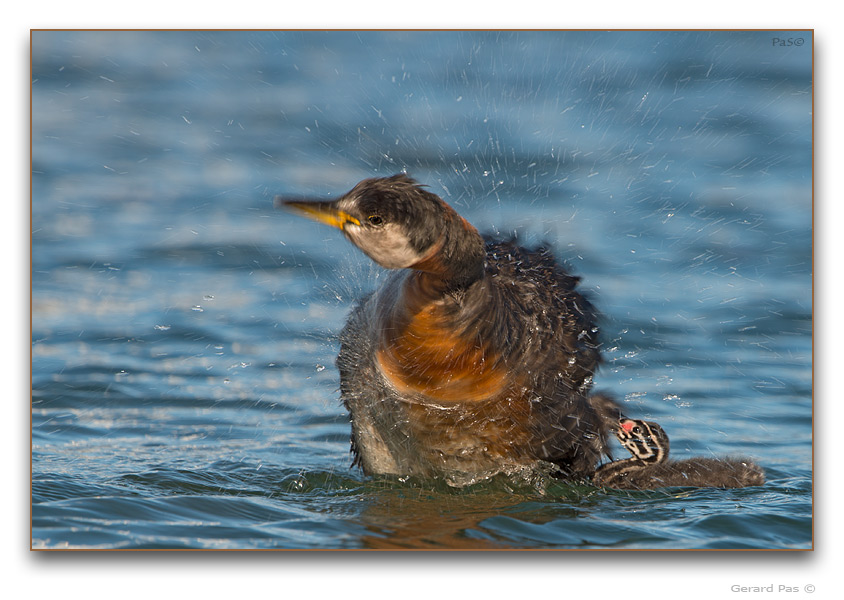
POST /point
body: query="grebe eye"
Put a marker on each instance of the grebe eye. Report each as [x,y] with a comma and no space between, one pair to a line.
[637,430]
[375,220]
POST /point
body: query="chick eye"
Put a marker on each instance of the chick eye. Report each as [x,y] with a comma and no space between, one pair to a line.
[375,220]
[637,430]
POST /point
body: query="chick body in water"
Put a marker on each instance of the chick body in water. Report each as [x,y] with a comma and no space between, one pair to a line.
[649,467]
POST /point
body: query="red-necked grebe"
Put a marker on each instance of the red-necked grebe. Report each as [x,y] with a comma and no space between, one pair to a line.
[474,357]
[650,468]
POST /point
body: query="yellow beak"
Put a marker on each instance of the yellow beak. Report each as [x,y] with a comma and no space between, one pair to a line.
[324,212]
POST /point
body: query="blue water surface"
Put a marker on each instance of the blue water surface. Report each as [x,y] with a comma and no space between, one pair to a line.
[184,332]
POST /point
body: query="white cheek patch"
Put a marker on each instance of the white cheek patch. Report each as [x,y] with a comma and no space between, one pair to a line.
[386,245]
[346,204]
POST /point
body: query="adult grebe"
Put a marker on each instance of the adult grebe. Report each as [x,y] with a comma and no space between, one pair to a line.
[649,468]
[474,358]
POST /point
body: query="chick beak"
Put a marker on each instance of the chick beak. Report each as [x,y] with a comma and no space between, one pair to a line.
[324,212]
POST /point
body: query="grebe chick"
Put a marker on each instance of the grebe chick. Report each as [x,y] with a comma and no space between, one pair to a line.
[473,358]
[649,468]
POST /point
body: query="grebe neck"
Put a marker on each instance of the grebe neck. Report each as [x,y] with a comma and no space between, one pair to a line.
[456,259]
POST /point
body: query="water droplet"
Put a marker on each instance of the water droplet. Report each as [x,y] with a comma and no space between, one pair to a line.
[320,368]
[197,308]
[162,327]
